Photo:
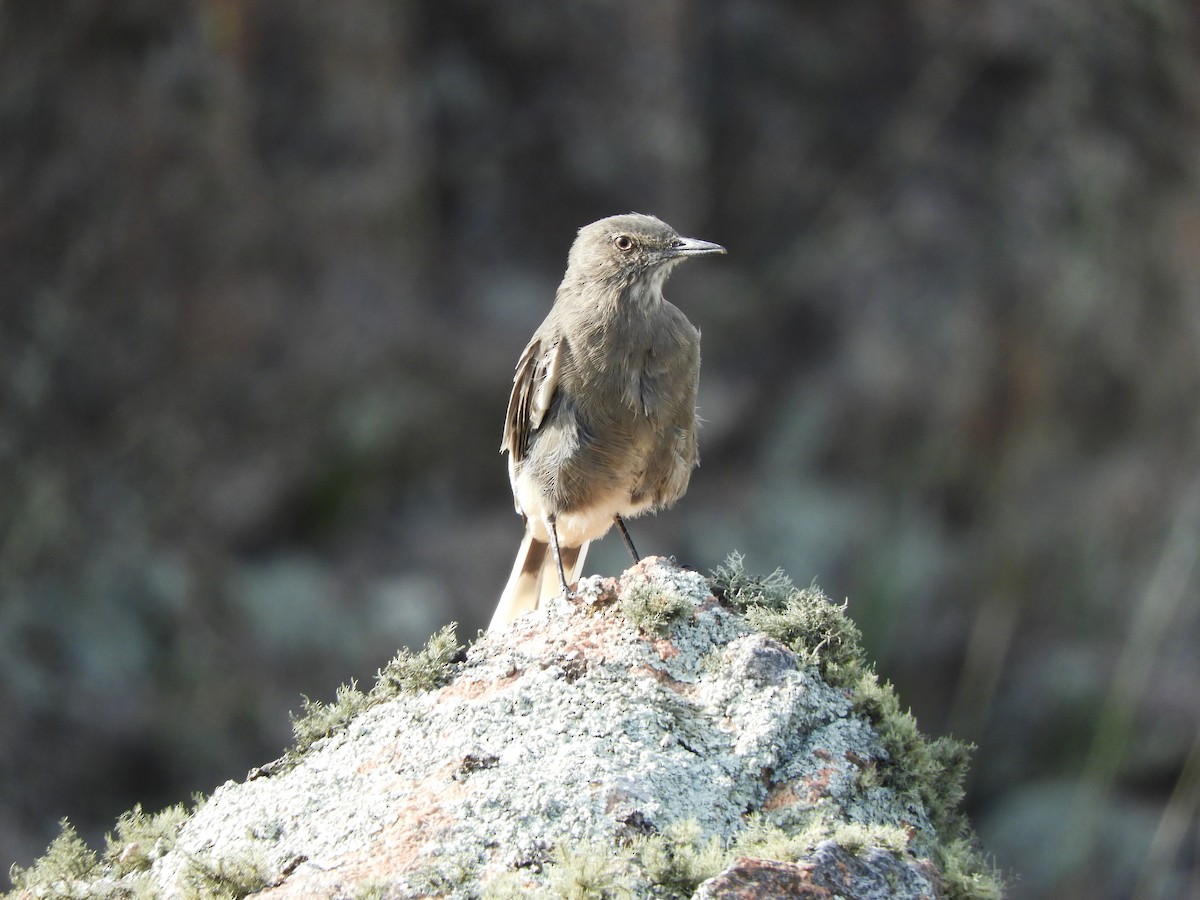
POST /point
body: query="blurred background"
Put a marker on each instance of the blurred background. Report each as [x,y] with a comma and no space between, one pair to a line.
[266,267]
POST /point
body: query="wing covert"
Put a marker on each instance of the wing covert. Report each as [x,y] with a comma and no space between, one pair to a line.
[534,385]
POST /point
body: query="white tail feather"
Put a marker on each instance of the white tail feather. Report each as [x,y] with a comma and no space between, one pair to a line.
[534,578]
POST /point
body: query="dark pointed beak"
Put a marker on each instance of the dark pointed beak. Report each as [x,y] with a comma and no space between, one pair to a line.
[692,247]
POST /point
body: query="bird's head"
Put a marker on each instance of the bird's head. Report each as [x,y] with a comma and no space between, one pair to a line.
[631,248]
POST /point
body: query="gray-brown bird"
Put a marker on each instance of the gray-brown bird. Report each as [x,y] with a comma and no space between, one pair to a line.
[601,422]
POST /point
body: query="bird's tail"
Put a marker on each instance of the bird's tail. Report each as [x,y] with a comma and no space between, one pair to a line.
[534,578]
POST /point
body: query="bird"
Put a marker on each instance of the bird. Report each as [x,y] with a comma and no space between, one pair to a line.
[601,422]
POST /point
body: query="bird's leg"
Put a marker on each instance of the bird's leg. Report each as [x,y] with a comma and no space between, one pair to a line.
[626,538]
[562,575]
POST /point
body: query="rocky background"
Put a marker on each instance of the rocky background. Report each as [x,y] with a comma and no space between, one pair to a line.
[266,266]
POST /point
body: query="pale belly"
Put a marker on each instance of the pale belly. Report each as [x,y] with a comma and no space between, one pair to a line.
[579,526]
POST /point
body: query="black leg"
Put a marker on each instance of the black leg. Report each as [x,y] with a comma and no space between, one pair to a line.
[562,576]
[627,539]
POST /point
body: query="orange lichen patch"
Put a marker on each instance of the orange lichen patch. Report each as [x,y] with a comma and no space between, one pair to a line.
[589,636]
[818,785]
[473,690]
[780,796]
[400,847]
[666,650]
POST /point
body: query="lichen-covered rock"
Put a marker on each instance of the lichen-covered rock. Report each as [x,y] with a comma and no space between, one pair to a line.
[575,754]
[829,871]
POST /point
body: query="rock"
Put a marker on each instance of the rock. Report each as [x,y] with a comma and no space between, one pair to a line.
[829,872]
[748,878]
[575,754]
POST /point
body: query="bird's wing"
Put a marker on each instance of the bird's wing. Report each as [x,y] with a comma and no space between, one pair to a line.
[533,389]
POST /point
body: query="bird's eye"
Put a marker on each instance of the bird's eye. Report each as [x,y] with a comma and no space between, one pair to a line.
[623,242]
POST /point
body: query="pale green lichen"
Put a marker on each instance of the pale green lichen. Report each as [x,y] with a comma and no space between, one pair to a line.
[227,878]
[69,870]
[928,772]
[582,871]
[966,873]
[856,837]
[140,838]
[426,670]
[588,872]
[672,864]
[319,720]
[680,858]
[741,589]
[815,629]
[68,859]
[653,609]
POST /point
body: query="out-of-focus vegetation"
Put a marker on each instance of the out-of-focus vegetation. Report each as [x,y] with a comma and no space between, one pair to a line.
[265,268]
